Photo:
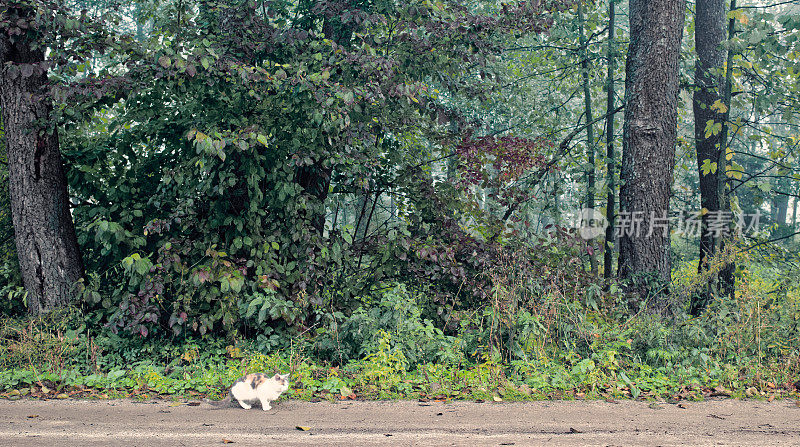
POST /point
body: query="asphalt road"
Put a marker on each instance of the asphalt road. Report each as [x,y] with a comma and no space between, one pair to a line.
[352,423]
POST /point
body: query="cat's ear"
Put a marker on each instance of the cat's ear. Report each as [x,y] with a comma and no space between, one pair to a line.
[285,377]
[277,377]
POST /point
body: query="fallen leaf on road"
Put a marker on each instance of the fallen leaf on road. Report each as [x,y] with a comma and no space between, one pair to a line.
[226,441]
[193,404]
[572,430]
[497,399]
[31,416]
[302,428]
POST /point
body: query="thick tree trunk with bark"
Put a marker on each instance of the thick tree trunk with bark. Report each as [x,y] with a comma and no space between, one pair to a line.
[47,248]
[710,15]
[648,144]
[708,111]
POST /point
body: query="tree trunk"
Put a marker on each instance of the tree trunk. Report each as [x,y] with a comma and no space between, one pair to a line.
[780,208]
[727,279]
[608,253]
[710,15]
[47,247]
[589,174]
[648,145]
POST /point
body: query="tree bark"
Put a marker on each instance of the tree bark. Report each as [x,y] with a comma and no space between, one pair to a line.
[648,144]
[608,253]
[727,278]
[47,247]
[709,35]
[780,208]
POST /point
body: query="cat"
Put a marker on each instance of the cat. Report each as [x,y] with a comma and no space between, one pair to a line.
[255,387]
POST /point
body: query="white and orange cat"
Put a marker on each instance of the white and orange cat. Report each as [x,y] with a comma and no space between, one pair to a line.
[257,387]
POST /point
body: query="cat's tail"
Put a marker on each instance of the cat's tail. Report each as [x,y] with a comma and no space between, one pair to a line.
[219,403]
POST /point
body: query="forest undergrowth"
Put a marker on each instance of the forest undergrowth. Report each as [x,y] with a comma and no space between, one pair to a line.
[534,339]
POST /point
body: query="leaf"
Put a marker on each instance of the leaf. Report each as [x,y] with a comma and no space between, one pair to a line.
[719,107]
[739,15]
[262,313]
[236,284]
[302,428]
[142,266]
[712,128]
[127,263]
[224,284]
[262,139]
[735,170]
[708,167]
[251,308]
[226,441]
[164,61]
[205,62]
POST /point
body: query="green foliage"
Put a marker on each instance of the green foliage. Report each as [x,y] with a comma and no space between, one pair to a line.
[395,322]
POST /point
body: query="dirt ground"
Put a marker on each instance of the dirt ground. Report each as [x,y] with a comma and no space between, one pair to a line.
[560,423]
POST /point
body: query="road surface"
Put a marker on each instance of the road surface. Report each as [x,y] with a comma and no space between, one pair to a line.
[404,423]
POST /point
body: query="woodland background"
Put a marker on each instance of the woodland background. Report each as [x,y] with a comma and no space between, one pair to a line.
[383,197]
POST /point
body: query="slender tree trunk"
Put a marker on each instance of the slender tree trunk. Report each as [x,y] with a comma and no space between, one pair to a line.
[608,254]
[708,112]
[727,279]
[780,206]
[648,144]
[589,174]
[47,247]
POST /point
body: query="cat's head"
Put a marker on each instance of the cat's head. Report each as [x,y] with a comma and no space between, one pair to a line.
[282,380]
